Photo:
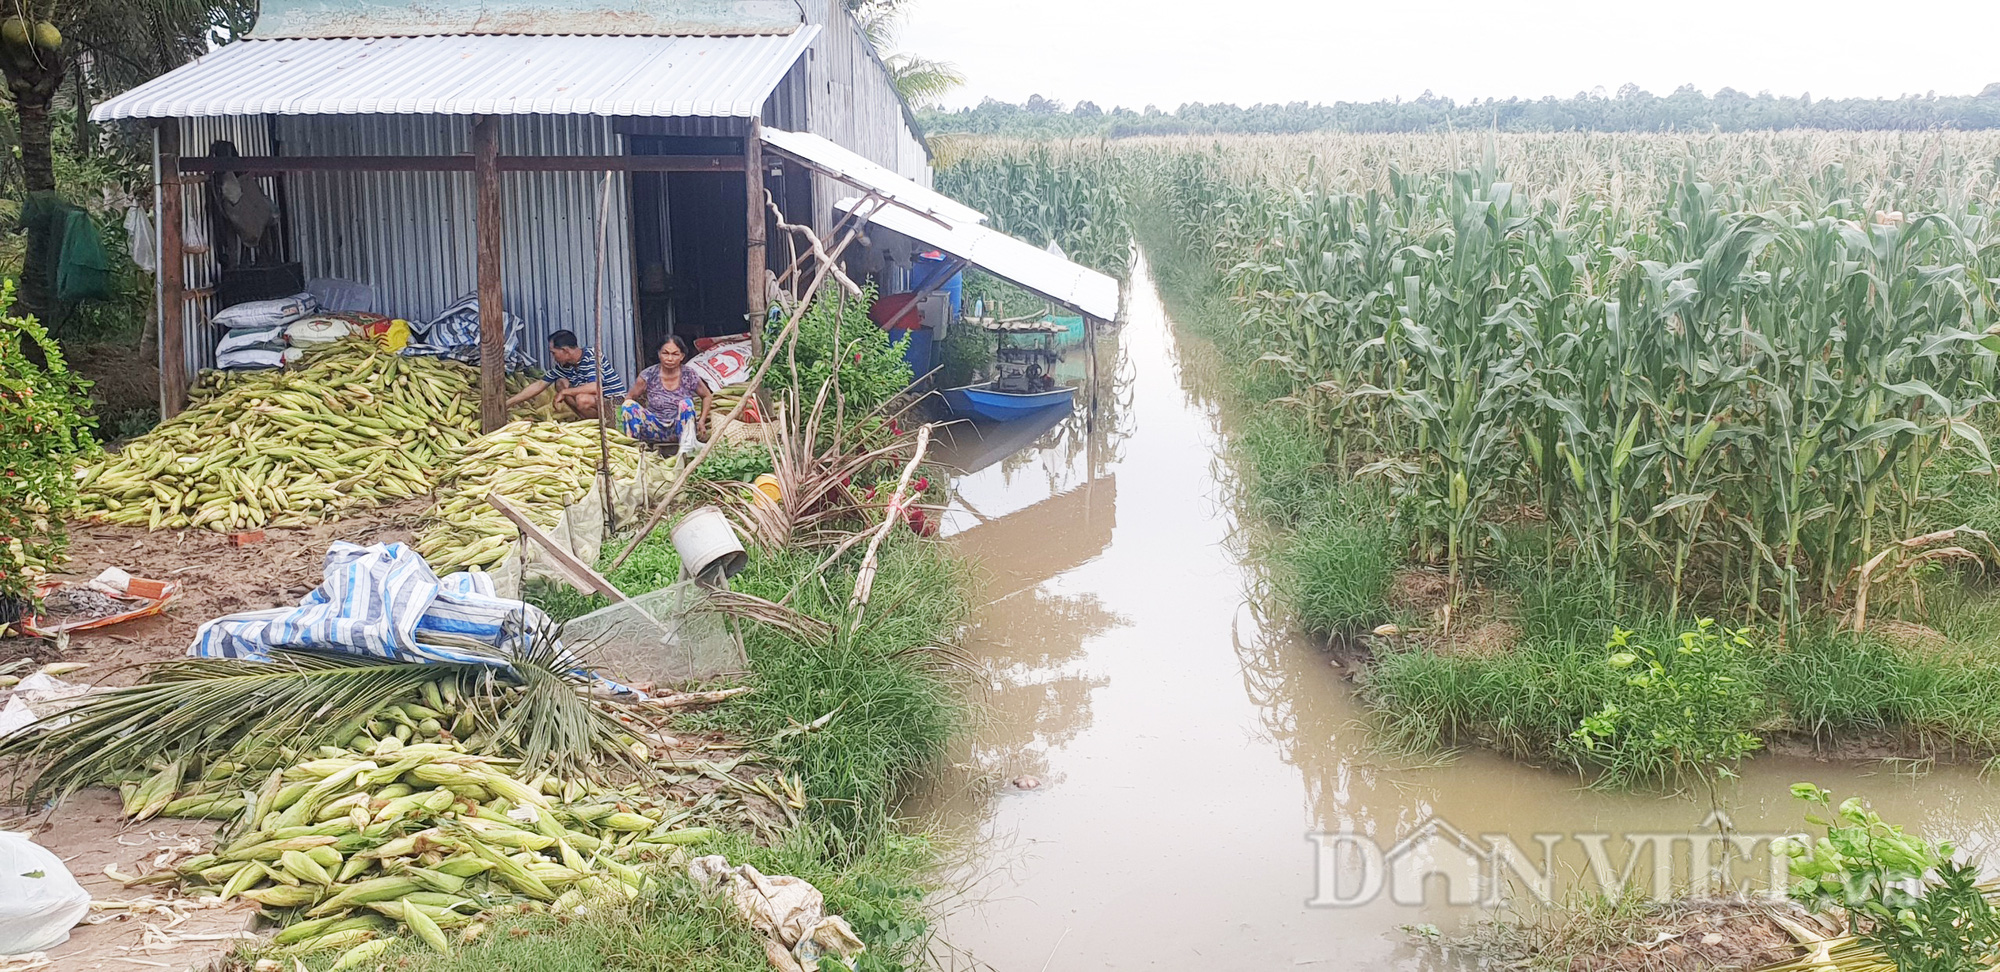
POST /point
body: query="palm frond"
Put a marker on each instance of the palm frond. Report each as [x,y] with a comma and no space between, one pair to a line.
[214,710]
[197,703]
[923,81]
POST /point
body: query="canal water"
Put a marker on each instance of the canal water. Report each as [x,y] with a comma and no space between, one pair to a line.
[1157,748]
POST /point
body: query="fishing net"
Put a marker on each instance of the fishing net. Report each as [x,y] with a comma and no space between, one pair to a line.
[663,636]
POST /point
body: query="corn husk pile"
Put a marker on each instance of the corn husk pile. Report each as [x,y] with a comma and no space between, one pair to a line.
[352,427]
[353,848]
[539,467]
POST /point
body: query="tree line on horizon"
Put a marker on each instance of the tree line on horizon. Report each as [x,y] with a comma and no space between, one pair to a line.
[1631,109]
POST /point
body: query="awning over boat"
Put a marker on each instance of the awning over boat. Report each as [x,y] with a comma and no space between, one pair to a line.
[937,220]
[1003,256]
[847,166]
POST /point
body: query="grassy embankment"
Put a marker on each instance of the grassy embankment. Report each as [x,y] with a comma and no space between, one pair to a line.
[1337,554]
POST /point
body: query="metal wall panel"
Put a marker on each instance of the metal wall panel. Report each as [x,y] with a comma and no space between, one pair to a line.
[851,102]
[411,235]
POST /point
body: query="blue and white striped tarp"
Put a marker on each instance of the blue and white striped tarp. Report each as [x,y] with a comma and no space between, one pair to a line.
[382,601]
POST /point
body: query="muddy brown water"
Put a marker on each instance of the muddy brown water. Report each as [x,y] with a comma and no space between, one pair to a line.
[1186,745]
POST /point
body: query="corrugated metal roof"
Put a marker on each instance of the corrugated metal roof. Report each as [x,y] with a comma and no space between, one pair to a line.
[485,75]
[844,164]
[416,18]
[1007,258]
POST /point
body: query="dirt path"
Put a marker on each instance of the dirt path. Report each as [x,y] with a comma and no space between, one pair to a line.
[216,578]
[138,928]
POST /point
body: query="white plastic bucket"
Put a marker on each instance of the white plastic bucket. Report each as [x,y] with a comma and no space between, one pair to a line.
[708,545]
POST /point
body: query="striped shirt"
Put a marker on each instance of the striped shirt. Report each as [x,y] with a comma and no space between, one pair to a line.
[585,371]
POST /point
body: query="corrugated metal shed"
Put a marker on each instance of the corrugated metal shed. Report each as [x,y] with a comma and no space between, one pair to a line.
[479,75]
[409,234]
[852,103]
[848,165]
[1007,258]
[345,18]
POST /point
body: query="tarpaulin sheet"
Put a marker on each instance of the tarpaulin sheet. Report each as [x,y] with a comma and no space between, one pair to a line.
[382,601]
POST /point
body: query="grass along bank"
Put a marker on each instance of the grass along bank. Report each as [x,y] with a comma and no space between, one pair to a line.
[1525,664]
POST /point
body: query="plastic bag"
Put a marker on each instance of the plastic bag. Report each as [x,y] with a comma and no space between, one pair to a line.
[39,900]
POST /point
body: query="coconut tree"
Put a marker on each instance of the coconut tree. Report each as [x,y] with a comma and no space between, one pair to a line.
[922,81]
[95,45]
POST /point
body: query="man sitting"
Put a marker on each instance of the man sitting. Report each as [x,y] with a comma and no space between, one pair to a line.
[574,377]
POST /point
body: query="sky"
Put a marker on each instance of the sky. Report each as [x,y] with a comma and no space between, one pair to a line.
[1167,52]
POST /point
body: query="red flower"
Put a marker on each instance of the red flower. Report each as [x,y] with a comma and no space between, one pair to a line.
[922,483]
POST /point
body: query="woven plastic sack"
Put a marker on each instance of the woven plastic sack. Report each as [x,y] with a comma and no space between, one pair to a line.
[660,637]
[39,900]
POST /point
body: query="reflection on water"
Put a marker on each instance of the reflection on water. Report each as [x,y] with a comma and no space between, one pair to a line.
[1186,745]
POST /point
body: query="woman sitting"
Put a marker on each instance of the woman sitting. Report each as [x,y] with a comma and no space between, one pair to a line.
[652,408]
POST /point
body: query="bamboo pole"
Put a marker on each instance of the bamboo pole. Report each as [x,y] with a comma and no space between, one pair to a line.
[864,580]
[597,350]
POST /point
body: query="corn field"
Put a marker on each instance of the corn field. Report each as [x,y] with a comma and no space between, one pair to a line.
[1727,369]
[1076,201]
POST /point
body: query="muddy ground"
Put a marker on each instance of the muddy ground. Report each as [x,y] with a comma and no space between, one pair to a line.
[215,578]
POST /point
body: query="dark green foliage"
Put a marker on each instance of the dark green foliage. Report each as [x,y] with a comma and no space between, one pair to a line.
[836,327]
[45,425]
[1679,711]
[1907,897]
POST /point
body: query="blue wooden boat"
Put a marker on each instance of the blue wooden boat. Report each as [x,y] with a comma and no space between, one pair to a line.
[984,401]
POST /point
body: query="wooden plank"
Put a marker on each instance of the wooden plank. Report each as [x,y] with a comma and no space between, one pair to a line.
[269,165]
[492,332]
[577,571]
[756,263]
[172,270]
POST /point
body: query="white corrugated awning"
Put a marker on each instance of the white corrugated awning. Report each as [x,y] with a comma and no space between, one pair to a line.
[475,75]
[858,171]
[1005,257]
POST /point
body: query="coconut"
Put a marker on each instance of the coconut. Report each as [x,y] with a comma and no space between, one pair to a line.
[14,32]
[47,37]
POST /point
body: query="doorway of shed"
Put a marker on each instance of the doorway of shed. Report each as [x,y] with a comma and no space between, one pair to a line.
[687,248]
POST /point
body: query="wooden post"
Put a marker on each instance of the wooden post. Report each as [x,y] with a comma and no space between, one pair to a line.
[492,328]
[756,264]
[172,269]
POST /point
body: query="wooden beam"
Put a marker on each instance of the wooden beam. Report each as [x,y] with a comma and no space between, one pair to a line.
[492,328]
[575,571]
[619,163]
[172,269]
[272,164]
[756,263]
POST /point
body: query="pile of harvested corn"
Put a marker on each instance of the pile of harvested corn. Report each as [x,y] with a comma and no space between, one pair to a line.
[540,467]
[352,427]
[346,848]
